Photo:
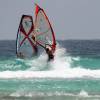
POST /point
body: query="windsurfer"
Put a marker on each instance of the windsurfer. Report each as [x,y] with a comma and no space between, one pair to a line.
[48,51]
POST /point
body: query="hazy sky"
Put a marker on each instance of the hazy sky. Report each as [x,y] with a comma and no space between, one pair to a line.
[71,19]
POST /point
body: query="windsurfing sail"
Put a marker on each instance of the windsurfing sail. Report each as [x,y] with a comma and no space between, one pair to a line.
[25,46]
[43,29]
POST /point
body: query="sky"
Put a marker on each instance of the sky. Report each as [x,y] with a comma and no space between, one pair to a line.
[70,19]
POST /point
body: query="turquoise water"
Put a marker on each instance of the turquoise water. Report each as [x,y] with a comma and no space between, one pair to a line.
[73,75]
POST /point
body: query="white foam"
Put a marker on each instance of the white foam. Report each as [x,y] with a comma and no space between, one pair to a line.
[69,73]
[59,68]
[76,58]
[39,94]
[38,63]
[83,93]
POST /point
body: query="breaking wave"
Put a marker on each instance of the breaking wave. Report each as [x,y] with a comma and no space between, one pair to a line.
[59,68]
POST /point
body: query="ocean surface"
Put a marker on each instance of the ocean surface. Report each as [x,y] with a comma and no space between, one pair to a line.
[73,75]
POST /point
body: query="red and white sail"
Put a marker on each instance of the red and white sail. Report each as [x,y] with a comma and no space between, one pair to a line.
[43,29]
[24,42]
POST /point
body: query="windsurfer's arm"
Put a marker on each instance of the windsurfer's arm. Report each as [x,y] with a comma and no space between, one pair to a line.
[45,47]
[40,45]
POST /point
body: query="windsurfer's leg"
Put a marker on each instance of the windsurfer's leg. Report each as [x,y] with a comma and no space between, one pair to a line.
[50,57]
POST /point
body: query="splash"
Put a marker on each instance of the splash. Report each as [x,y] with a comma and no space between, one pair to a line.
[83,93]
[59,68]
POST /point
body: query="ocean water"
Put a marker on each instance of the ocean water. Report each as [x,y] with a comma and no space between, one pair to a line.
[73,75]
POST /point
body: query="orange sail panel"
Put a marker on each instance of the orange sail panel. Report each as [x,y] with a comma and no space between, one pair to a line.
[24,43]
[43,29]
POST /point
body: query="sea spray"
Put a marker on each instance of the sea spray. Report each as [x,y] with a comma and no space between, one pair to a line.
[83,93]
[59,68]
[73,75]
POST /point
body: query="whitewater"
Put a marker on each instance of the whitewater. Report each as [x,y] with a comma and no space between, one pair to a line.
[59,68]
[74,74]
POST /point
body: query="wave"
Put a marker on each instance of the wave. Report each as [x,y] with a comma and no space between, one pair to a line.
[59,68]
[69,73]
[82,94]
